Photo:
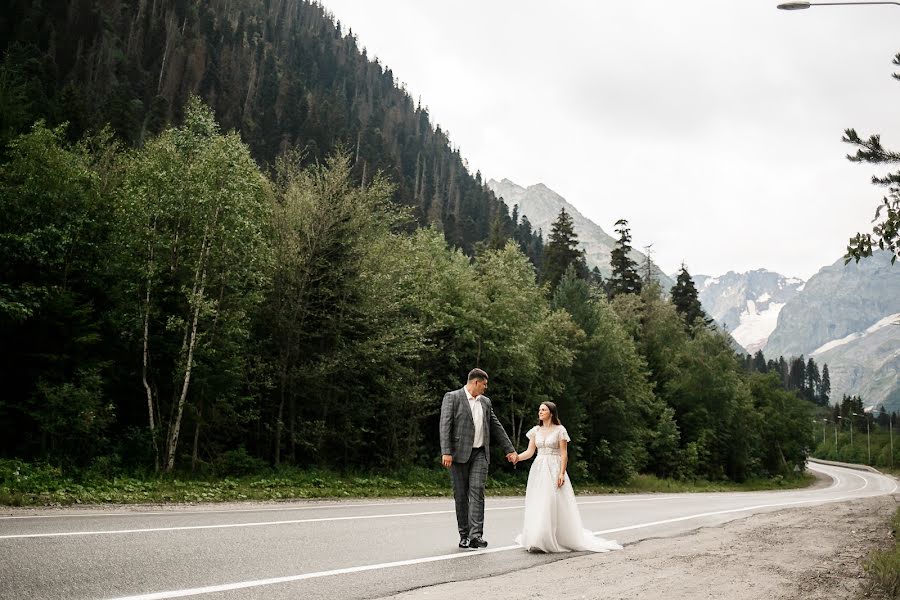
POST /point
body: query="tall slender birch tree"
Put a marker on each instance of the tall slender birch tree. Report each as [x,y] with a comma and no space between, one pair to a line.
[195,210]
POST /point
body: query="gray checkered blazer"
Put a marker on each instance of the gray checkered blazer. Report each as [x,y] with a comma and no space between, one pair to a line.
[458,429]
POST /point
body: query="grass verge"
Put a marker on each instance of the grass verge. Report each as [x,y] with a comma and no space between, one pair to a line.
[24,484]
[883,566]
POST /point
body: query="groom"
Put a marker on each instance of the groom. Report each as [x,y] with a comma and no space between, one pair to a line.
[467,424]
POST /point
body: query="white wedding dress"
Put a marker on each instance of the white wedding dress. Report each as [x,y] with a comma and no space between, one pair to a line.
[552,521]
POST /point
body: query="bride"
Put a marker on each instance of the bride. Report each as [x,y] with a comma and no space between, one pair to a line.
[552,522]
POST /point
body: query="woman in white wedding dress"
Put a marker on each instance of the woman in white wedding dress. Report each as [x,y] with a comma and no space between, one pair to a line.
[552,521]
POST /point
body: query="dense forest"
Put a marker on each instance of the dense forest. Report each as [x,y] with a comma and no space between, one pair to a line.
[284,74]
[230,241]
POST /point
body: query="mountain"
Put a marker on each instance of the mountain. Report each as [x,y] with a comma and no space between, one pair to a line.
[747,304]
[866,364]
[838,301]
[284,74]
[542,205]
[844,317]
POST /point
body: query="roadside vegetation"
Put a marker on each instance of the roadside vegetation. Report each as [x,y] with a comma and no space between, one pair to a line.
[883,567]
[24,484]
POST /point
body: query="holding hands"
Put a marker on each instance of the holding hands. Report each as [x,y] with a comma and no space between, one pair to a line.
[512,457]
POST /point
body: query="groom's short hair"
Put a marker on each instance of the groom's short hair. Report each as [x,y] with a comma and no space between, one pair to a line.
[477,374]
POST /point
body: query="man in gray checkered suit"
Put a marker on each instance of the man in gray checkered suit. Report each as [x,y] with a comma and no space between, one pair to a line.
[467,424]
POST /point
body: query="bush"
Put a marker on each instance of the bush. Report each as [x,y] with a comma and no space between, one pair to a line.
[239,463]
[30,477]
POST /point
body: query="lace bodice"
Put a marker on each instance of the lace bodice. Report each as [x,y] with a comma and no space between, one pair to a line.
[547,442]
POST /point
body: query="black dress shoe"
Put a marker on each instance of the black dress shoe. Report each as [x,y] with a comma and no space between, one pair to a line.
[463,542]
[477,543]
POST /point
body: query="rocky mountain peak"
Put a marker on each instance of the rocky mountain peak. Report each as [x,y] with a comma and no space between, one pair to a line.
[541,205]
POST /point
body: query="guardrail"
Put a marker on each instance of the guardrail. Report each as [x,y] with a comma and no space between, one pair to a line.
[841,464]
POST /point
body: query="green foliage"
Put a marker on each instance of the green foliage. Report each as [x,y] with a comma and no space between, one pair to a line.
[782,417]
[687,301]
[562,251]
[24,484]
[886,232]
[883,566]
[54,230]
[193,214]
[282,78]
[238,463]
[296,318]
[624,278]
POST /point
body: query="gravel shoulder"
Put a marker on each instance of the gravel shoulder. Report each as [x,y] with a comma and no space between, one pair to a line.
[813,553]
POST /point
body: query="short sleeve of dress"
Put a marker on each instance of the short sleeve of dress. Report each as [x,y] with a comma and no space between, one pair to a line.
[563,434]
[531,433]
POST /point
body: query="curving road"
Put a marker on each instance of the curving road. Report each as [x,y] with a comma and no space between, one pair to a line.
[360,549]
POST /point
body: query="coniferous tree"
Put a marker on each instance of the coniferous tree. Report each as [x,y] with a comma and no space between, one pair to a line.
[497,239]
[797,376]
[783,371]
[686,300]
[759,362]
[562,250]
[825,387]
[887,230]
[813,380]
[624,278]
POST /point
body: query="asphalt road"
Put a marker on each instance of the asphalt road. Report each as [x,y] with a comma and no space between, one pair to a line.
[354,549]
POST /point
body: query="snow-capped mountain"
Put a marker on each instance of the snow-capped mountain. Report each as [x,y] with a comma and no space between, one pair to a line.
[747,304]
[866,364]
[846,317]
[542,205]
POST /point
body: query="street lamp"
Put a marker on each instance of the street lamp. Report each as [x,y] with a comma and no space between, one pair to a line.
[835,433]
[851,433]
[890,430]
[805,5]
[868,444]
[835,437]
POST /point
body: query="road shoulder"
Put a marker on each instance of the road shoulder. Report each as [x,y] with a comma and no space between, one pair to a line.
[813,553]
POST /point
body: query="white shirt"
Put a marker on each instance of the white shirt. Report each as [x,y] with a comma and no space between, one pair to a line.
[477,418]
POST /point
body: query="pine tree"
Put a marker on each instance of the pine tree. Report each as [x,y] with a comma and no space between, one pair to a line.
[497,238]
[782,367]
[625,278]
[797,376]
[686,300]
[825,387]
[813,380]
[759,362]
[887,230]
[562,250]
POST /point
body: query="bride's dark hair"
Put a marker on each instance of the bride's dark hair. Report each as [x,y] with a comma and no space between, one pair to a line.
[554,413]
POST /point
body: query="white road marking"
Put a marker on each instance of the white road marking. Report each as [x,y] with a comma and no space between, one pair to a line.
[345,518]
[294,521]
[220,526]
[290,578]
[415,561]
[208,512]
[835,482]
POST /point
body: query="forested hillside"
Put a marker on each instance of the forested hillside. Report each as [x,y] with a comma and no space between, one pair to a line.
[236,280]
[283,73]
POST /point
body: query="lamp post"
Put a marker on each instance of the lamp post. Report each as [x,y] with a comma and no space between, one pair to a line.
[868,444]
[852,414]
[835,433]
[890,431]
[824,421]
[805,5]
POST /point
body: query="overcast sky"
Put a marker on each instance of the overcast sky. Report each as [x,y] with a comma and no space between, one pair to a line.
[713,126]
